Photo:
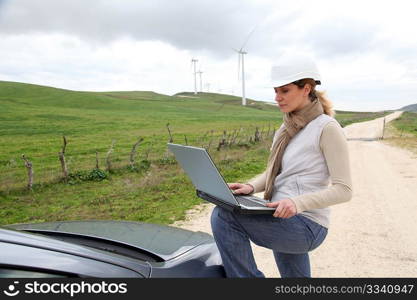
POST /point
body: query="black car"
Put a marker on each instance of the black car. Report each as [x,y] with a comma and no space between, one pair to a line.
[106,249]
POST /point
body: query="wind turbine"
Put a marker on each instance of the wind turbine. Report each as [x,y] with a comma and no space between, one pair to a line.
[241,62]
[201,80]
[194,61]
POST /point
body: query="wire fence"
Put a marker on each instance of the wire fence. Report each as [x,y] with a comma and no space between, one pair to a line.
[47,168]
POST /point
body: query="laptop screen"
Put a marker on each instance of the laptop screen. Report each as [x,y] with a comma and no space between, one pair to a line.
[202,171]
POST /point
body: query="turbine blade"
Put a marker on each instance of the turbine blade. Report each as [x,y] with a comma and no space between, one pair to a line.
[248,37]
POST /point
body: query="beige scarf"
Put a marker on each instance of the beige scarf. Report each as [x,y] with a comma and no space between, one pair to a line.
[293,123]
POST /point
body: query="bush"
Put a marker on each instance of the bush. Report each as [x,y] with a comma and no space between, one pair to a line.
[170,160]
[80,176]
[140,167]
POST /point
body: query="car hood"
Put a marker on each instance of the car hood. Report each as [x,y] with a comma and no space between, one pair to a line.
[163,241]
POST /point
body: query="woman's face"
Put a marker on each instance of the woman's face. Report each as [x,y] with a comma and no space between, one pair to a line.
[291,98]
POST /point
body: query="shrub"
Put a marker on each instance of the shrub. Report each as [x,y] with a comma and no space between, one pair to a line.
[92,175]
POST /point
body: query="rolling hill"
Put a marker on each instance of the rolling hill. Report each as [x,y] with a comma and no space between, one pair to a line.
[34,118]
[33,109]
[411,107]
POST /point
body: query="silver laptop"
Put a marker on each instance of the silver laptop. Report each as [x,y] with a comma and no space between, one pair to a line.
[210,184]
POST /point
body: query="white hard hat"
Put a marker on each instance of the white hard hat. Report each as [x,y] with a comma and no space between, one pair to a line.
[293,68]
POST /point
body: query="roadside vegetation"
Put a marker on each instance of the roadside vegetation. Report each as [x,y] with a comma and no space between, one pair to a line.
[402,132]
[348,117]
[118,166]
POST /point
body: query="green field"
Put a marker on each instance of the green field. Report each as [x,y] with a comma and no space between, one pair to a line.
[407,123]
[34,118]
[348,117]
[402,132]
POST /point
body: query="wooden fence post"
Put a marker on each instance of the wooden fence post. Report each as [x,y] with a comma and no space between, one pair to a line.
[222,141]
[383,130]
[61,156]
[29,167]
[108,162]
[97,165]
[133,152]
[170,135]
[256,137]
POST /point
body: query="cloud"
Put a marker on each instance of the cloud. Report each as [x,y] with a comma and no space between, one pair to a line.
[68,62]
[366,53]
[341,36]
[211,25]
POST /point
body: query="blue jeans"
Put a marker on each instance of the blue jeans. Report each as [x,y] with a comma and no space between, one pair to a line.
[290,240]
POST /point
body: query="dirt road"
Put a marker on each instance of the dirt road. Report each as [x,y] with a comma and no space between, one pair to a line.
[373,235]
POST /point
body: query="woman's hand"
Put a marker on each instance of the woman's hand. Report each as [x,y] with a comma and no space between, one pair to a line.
[240,188]
[285,208]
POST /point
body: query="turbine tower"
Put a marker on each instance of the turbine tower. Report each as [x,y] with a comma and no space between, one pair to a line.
[241,67]
[194,62]
[241,64]
[201,80]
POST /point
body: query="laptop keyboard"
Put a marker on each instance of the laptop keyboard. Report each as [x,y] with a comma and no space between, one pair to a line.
[250,201]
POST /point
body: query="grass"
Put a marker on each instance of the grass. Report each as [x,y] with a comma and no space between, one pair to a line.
[34,118]
[160,195]
[407,123]
[402,132]
[347,117]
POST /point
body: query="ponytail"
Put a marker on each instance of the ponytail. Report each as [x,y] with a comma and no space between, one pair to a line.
[326,103]
[314,94]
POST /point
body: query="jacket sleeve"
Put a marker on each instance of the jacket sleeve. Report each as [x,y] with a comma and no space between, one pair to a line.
[258,183]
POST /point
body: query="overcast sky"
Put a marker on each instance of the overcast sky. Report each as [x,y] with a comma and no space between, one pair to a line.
[366,50]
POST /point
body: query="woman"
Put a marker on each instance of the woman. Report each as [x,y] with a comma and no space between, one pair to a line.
[309,151]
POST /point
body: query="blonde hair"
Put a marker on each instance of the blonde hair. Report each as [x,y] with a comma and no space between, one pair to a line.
[325,102]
